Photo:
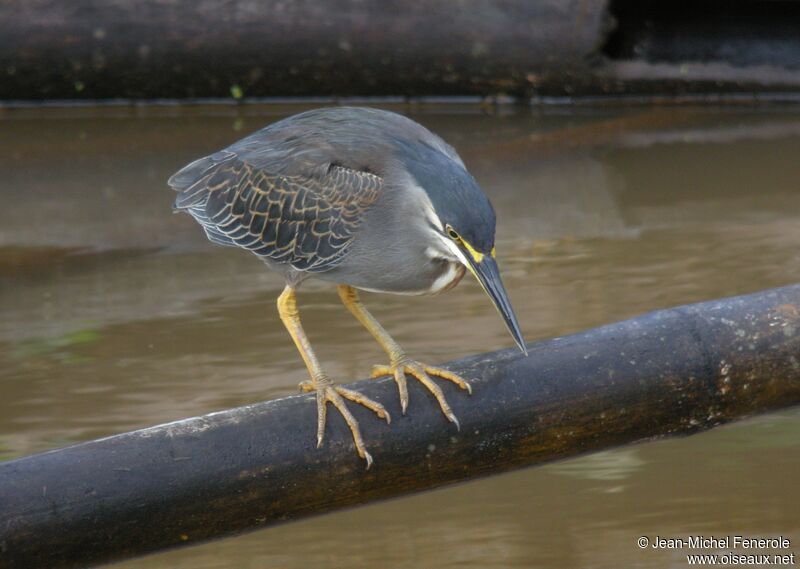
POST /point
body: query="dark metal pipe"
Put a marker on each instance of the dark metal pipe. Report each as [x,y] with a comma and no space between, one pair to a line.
[152,49]
[670,372]
[100,49]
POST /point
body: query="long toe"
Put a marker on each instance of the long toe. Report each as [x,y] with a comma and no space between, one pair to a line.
[399,378]
[336,395]
[424,374]
[361,399]
[418,371]
[322,412]
[450,376]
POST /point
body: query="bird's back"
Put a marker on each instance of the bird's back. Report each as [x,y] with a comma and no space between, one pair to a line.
[295,192]
[291,193]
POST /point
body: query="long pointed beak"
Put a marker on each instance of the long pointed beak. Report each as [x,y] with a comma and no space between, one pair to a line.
[488,274]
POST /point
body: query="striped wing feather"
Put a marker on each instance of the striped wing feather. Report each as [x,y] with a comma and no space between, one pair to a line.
[305,221]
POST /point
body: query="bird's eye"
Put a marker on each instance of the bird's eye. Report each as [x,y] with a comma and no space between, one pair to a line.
[452,233]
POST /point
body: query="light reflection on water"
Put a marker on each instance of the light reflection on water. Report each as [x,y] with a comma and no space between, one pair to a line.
[115,314]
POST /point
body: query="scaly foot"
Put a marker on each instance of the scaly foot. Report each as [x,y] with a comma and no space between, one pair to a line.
[423,373]
[330,393]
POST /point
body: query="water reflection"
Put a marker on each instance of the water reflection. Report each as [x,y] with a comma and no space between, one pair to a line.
[116,314]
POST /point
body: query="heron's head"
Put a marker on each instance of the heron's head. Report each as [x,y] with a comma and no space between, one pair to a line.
[461,224]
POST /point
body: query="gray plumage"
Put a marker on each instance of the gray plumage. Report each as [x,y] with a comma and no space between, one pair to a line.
[350,195]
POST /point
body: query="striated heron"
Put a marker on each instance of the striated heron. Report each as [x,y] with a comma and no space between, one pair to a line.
[366,199]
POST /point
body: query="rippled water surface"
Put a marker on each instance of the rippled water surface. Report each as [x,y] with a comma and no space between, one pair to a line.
[116,314]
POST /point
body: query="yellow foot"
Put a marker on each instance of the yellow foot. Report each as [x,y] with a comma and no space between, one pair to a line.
[330,393]
[423,373]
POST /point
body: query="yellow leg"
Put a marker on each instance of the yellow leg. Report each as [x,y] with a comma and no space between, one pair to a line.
[326,390]
[399,363]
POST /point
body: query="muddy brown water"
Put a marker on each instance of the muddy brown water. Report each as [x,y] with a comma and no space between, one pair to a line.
[116,314]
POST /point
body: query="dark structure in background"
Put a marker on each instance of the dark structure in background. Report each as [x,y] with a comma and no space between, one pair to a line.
[146,49]
[670,372]
[742,33]
[702,46]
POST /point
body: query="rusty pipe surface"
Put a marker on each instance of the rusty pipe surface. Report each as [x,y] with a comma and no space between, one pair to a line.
[670,372]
